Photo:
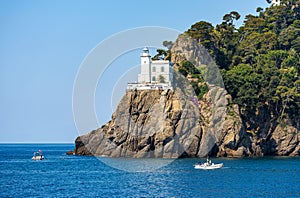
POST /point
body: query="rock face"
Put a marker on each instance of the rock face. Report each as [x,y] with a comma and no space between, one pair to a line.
[147,123]
[156,123]
[284,141]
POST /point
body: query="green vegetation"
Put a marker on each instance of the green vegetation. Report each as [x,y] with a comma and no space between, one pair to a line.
[187,69]
[161,54]
[259,61]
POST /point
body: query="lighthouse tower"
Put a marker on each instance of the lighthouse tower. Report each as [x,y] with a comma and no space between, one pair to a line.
[145,75]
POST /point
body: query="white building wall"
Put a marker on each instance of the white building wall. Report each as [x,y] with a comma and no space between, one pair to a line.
[162,68]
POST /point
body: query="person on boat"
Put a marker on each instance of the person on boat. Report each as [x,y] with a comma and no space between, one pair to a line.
[208,162]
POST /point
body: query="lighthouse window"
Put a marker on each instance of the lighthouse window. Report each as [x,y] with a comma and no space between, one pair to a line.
[144,61]
[153,69]
[162,69]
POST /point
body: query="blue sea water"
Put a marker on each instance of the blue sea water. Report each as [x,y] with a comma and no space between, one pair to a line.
[81,176]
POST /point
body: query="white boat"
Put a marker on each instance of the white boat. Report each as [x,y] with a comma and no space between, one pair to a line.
[208,165]
[38,155]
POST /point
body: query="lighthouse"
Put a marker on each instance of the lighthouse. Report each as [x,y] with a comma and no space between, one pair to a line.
[145,75]
[156,74]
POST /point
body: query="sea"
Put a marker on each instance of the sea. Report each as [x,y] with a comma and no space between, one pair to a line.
[61,175]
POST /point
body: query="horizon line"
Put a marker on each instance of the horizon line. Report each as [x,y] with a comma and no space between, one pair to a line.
[37,142]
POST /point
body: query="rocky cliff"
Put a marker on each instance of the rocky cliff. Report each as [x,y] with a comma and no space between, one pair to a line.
[173,123]
[147,123]
[156,123]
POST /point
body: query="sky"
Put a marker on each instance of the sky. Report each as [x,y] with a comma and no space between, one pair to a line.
[43,44]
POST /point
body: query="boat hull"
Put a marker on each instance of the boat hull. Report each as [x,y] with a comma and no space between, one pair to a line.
[208,167]
[38,158]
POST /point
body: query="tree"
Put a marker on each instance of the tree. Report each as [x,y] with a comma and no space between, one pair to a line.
[259,9]
[295,44]
[253,24]
[255,44]
[226,39]
[187,67]
[161,54]
[243,84]
[202,31]
[287,36]
[229,18]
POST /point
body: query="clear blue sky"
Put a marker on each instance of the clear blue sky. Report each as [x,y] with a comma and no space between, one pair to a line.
[44,42]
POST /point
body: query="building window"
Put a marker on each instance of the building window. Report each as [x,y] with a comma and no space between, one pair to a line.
[162,69]
[153,69]
[153,78]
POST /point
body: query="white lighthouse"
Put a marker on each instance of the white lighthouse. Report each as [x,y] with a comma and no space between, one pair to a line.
[145,75]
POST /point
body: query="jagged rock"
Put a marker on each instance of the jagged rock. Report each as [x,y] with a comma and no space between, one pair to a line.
[69,153]
[171,126]
[285,141]
[148,123]
[240,152]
